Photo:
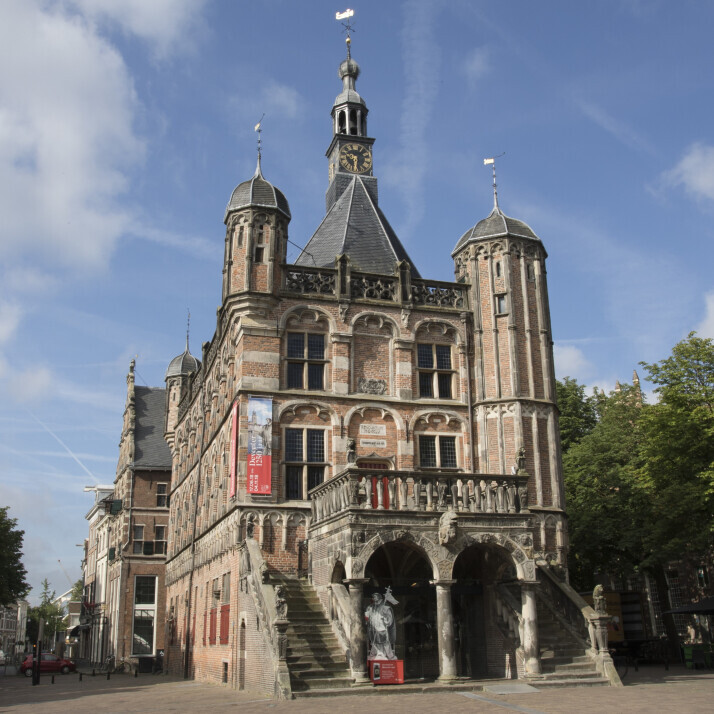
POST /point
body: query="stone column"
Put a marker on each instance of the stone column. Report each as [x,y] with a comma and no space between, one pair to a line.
[531,648]
[358,632]
[445,630]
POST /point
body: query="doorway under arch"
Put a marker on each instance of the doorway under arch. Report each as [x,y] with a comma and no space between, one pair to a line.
[481,649]
[405,568]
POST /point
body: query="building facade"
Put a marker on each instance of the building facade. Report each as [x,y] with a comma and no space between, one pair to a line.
[354,429]
[124,606]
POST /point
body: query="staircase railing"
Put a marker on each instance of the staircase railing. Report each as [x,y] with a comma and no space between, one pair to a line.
[358,488]
[271,607]
[580,619]
[508,614]
[340,616]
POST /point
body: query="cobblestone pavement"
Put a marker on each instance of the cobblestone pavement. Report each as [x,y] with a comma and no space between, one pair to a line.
[651,690]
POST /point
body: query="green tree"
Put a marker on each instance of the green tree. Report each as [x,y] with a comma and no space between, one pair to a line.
[52,613]
[77,594]
[678,452]
[578,413]
[12,572]
[607,507]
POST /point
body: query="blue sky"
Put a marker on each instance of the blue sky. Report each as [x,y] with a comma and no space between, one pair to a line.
[126,124]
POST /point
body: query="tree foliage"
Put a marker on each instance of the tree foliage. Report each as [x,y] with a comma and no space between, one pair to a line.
[13,585]
[578,413]
[640,483]
[678,453]
[607,508]
[52,613]
[77,593]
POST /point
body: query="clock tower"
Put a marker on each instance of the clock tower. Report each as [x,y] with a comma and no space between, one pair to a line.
[350,151]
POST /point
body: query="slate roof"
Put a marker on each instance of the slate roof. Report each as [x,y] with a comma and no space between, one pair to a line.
[183,364]
[257,192]
[496,225]
[356,226]
[150,449]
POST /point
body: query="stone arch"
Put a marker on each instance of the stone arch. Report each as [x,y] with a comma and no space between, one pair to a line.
[504,545]
[382,319]
[321,408]
[356,565]
[363,406]
[316,314]
[436,327]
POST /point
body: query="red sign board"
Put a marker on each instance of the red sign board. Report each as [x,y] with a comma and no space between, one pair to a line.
[386,671]
[260,437]
[234,450]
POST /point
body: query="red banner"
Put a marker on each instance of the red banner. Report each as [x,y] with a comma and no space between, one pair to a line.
[260,437]
[234,451]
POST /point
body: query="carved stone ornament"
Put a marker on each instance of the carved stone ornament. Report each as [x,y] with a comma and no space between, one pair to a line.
[371,386]
[599,602]
[281,604]
[447,528]
[357,567]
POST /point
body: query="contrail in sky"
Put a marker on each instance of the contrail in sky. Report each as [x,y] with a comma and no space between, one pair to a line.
[63,445]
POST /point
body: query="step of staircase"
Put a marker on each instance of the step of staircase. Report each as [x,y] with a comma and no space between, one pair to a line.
[564,660]
[314,657]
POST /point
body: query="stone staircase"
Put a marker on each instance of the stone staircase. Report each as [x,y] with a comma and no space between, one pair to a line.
[564,660]
[314,657]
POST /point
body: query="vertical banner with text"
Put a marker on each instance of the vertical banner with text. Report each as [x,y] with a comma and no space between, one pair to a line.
[234,450]
[260,437]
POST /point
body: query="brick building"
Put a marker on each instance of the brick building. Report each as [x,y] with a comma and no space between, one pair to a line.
[354,427]
[124,605]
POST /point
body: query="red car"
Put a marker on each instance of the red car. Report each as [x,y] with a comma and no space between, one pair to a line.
[49,663]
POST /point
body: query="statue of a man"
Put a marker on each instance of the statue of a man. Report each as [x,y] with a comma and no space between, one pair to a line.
[382,631]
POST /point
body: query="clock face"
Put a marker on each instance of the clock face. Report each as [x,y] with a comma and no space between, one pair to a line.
[355,158]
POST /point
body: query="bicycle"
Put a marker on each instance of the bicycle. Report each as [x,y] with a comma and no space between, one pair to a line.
[109,665]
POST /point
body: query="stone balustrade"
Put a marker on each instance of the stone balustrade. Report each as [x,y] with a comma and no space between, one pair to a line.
[366,489]
[346,284]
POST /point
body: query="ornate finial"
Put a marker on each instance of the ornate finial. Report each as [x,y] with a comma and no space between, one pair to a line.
[492,162]
[259,129]
[188,326]
[346,15]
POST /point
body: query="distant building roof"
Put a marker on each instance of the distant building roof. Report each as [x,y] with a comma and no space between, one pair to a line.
[150,449]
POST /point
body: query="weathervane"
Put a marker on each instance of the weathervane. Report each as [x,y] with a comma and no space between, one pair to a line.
[492,163]
[260,131]
[346,15]
[188,326]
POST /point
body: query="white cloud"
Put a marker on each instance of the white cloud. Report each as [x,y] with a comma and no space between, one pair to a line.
[695,172]
[476,64]
[31,385]
[165,24]
[67,106]
[10,315]
[706,326]
[570,361]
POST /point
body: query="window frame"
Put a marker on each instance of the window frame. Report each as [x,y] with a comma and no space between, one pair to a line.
[148,609]
[497,298]
[306,362]
[162,495]
[435,373]
[439,447]
[305,464]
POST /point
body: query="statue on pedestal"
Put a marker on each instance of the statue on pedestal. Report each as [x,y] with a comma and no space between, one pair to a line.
[382,631]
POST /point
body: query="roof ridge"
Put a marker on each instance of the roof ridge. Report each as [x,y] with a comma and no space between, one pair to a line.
[379,220]
[350,201]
